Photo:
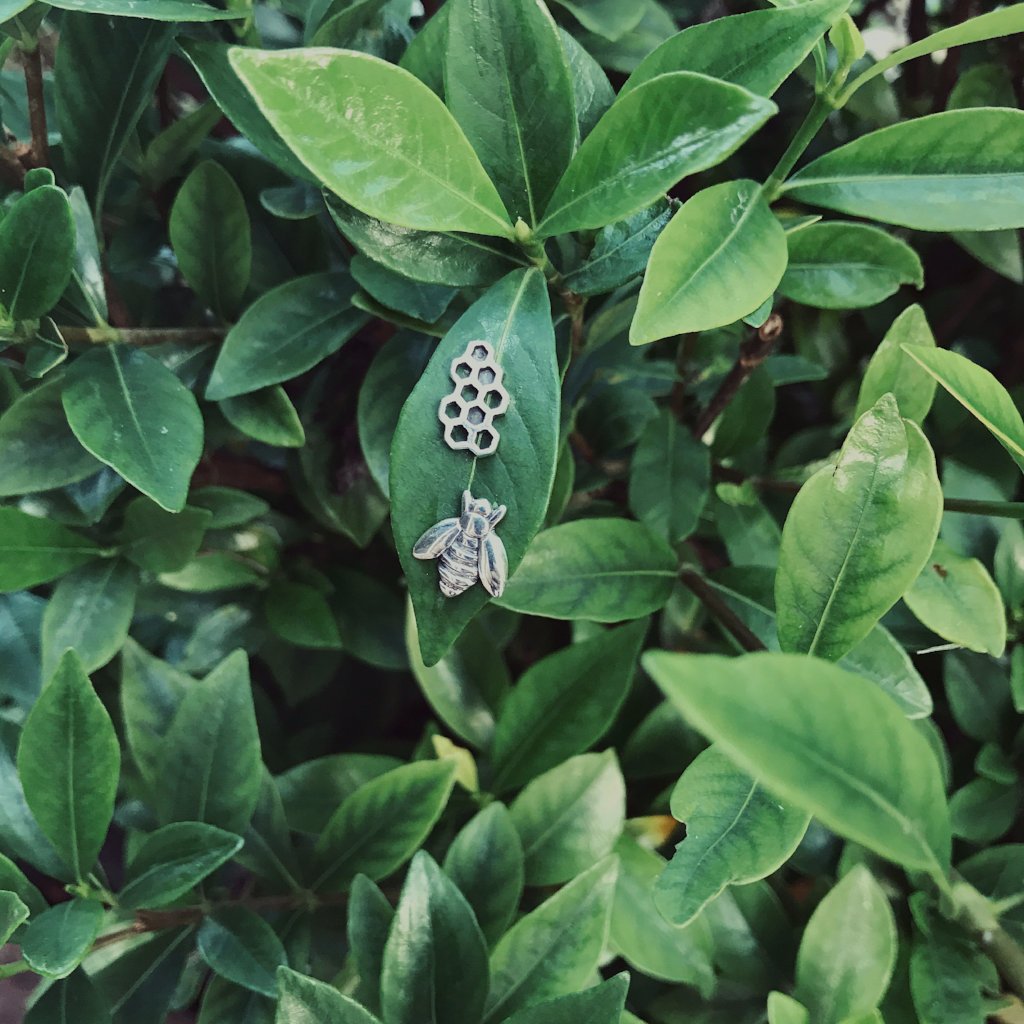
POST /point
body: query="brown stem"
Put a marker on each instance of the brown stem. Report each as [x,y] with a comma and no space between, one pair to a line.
[141,335]
[575,306]
[714,603]
[11,168]
[753,353]
[40,153]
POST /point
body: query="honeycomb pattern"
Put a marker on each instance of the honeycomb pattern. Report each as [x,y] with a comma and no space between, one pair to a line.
[477,398]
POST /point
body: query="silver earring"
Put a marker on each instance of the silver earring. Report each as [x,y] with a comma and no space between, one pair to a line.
[466,546]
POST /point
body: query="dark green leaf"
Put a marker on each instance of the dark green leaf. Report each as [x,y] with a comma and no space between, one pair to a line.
[162,541]
[134,414]
[56,942]
[241,947]
[592,92]
[72,998]
[369,922]
[822,739]
[13,913]
[69,763]
[301,615]
[670,127]
[210,235]
[12,879]
[601,569]
[948,975]
[154,10]
[305,1001]
[395,291]
[284,333]
[34,550]
[602,1004]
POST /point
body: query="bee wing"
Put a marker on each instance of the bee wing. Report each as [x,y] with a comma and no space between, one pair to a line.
[436,539]
[493,565]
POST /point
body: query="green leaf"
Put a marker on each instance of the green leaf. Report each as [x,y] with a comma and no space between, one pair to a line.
[135,415]
[956,597]
[12,879]
[57,941]
[228,506]
[736,833]
[105,76]
[592,92]
[38,451]
[422,301]
[162,541]
[175,146]
[174,859]
[563,704]
[783,1009]
[554,949]
[892,370]
[89,611]
[212,751]
[211,237]
[978,695]
[37,252]
[154,10]
[758,51]
[210,60]
[949,975]
[427,477]
[369,921]
[857,535]
[644,937]
[69,763]
[266,415]
[305,1001]
[607,18]
[979,393]
[606,570]
[285,332]
[720,258]
[301,615]
[955,171]
[848,950]
[998,250]
[513,97]
[212,571]
[435,961]
[602,1004]
[824,740]
[847,266]
[434,257]
[369,616]
[381,825]
[72,998]
[670,127]
[434,179]
[239,945]
[570,817]
[34,550]
[13,913]
[485,860]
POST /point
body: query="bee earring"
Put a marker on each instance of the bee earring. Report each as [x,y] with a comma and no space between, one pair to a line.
[466,545]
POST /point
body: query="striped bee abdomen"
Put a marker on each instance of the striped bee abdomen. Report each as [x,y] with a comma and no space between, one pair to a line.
[458,566]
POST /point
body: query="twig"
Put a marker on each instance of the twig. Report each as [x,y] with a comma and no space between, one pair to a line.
[714,603]
[753,353]
[33,62]
[141,335]
[575,306]
[11,168]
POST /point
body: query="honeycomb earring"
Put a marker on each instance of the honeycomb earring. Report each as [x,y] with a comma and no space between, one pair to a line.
[466,546]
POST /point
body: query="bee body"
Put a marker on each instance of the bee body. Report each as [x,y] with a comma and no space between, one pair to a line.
[458,565]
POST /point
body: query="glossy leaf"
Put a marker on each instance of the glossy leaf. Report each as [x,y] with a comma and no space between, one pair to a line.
[670,127]
[38,451]
[240,946]
[850,758]
[606,570]
[432,180]
[736,833]
[72,998]
[13,913]
[847,266]
[563,704]
[162,541]
[56,941]
[949,976]
[427,476]
[485,860]
[210,235]
[284,333]
[955,171]
[979,393]
[722,255]
[848,951]
[135,415]
[857,535]
[37,252]
[758,51]
[570,817]
[892,370]
[69,762]
[153,10]
[212,751]
[173,860]
[305,1001]
[370,916]
[435,961]
[89,611]
[382,824]
[602,1004]
[35,550]
[555,948]
[956,597]
[394,291]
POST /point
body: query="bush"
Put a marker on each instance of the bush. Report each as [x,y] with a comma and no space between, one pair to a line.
[507,515]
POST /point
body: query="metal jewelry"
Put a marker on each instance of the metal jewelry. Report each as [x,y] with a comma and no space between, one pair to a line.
[466,546]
